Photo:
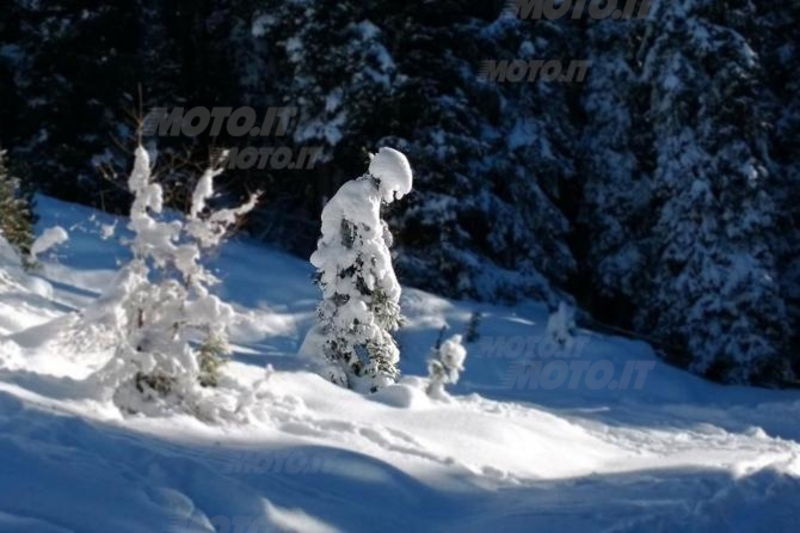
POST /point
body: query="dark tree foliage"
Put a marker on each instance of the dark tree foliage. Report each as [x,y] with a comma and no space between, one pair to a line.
[662,193]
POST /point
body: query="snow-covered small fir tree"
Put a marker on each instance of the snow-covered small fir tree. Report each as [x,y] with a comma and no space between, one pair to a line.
[161,300]
[561,325]
[360,307]
[445,365]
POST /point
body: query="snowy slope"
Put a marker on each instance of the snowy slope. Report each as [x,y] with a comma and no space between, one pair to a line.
[663,452]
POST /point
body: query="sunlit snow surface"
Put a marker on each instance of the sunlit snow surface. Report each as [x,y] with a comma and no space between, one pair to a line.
[667,453]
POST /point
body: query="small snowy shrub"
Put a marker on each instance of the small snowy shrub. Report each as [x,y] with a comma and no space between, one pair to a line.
[16,214]
[161,300]
[352,339]
[445,365]
[561,325]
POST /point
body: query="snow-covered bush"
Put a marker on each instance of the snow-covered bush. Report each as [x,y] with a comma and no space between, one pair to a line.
[561,325]
[16,215]
[445,365]
[161,301]
[360,308]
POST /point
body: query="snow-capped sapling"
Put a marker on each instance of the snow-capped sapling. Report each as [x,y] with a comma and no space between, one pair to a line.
[352,340]
[161,300]
[445,365]
[561,328]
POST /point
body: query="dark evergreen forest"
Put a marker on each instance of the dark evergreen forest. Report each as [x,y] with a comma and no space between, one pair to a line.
[660,194]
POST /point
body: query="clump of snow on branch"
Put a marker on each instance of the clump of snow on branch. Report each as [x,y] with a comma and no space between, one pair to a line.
[393,172]
[445,365]
[352,340]
[161,301]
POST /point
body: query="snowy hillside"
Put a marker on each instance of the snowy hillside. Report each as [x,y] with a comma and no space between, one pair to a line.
[626,444]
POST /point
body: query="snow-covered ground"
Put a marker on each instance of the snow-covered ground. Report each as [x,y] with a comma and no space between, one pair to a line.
[604,438]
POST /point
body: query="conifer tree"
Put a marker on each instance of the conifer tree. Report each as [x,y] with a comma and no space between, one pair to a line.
[713,280]
[161,301]
[352,340]
[776,34]
[329,60]
[492,158]
[445,365]
[616,164]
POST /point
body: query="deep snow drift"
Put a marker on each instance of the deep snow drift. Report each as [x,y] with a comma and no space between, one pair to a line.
[585,433]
